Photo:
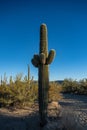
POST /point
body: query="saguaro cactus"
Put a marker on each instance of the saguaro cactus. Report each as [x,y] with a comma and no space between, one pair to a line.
[1,81]
[28,74]
[42,61]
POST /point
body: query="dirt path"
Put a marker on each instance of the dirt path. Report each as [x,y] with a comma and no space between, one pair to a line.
[75,109]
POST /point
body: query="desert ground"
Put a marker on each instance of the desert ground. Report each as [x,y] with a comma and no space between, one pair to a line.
[73,115]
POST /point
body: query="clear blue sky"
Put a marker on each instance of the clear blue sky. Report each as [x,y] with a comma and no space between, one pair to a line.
[66,21]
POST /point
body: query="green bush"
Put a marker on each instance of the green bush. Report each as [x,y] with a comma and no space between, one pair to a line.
[54,91]
[21,93]
[18,93]
[72,86]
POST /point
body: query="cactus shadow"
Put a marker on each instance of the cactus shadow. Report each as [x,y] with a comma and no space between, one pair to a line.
[29,122]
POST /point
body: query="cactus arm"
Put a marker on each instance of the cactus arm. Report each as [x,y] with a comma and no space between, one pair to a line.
[42,58]
[36,56]
[50,57]
[34,63]
[35,60]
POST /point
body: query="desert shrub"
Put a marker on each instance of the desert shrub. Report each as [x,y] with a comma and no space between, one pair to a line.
[67,86]
[72,86]
[23,93]
[18,94]
[82,89]
[54,91]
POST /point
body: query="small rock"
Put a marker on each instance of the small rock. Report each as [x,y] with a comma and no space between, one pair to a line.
[54,109]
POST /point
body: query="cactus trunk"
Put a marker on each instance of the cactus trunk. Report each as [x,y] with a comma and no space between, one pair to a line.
[42,61]
[43,75]
[43,92]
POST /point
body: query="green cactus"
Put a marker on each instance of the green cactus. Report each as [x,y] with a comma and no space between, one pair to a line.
[1,81]
[11,81]
[28,74]
[42,61]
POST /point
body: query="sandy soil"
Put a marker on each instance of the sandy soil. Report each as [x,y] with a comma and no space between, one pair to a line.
[23,119]
[19,119]
[73,113]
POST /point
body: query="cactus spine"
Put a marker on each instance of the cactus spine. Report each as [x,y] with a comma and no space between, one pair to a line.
[42,61]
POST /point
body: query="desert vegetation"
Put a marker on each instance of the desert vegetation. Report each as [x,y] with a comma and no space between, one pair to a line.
[23,92]
[75,87]
[18,92]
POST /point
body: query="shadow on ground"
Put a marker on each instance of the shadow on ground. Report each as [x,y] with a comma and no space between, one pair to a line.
[77,97]
[29,122]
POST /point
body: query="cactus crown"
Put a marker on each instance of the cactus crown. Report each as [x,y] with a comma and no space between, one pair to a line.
[43,39]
